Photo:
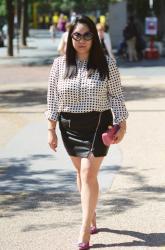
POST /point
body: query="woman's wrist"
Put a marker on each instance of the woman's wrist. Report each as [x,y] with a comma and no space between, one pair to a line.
[123,126]
[123,129]
[51,129]
[51,125]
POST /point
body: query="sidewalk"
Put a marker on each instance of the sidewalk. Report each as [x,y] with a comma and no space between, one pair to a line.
[40,50]
[40,209]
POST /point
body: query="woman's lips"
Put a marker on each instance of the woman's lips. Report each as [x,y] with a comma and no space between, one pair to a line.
[82,46]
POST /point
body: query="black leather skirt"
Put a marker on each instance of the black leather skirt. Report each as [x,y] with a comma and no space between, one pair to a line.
[81,132]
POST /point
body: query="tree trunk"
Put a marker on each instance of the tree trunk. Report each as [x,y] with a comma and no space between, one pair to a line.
[24,22]
[19,13]
[10,25]
[162,19]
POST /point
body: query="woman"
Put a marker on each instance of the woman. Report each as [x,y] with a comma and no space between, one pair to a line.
[52,31]
[83,88]
[63,42]
[105,40]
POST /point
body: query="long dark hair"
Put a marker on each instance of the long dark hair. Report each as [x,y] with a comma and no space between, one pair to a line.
[96,61]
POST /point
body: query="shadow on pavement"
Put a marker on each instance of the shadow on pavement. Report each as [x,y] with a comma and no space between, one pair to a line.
[127,199]
[11,204]
[42,62]
[28,98]
[142,93]
[143,63]
[142,239]
[26,175]
[23,187]
[21,98]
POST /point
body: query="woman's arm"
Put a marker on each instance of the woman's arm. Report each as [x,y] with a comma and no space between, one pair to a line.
[108,44]
[52,125]
[52,103]
[52,137]
[52,94]
[61,47]
[115,93]
[117,100]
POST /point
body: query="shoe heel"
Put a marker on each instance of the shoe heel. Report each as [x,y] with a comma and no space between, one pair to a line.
[83,246]
[93,230]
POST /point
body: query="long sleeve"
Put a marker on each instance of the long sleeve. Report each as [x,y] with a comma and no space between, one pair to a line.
[116,94]
[52,95]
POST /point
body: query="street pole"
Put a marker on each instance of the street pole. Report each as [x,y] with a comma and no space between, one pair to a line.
[151,29]
[151,3]
[17,27]
[151,37]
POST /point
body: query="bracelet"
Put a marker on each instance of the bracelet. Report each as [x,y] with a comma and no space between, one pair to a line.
[51,129]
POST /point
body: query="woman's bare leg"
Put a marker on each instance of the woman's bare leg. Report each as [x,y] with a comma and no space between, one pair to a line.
[77,164]
[89,193]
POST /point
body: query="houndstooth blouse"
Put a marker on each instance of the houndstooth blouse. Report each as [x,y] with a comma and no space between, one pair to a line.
[83,93]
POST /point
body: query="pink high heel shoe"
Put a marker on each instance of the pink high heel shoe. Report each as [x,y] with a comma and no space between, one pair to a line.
[93,230]
[83,246]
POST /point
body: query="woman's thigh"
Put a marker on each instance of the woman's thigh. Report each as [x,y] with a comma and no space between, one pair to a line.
[91,164]
[76,162]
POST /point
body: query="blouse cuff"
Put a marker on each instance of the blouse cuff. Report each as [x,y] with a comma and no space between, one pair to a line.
[119,109]
[52,115]
[117,120]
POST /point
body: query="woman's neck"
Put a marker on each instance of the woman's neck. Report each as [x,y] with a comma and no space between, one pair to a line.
[83,57]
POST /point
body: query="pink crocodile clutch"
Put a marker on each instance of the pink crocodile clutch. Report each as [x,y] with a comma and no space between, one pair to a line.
[108,136]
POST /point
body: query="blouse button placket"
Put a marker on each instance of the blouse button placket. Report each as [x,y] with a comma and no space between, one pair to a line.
[81,77]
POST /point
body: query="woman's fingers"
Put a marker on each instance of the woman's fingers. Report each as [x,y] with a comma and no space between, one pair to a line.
[53,146]
[52,141]
[119,136]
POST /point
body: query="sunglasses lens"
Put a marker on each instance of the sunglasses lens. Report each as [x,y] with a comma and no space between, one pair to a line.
[76,36]
[86,36]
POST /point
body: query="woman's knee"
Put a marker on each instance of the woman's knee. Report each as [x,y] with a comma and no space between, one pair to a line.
[88,175]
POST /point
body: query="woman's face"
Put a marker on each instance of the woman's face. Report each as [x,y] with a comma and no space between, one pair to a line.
[82,39]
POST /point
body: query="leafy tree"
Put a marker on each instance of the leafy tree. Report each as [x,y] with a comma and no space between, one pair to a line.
[140,7]
[2,8]
[80,6]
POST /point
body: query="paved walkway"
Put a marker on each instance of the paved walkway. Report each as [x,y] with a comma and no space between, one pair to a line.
[40,50]
[40,209]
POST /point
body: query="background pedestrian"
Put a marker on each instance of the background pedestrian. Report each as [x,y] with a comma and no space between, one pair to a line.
[130,35]
[63,42]
[105,40]
[52,31]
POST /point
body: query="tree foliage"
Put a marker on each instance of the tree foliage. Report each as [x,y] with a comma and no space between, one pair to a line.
[80,6]
[2,8]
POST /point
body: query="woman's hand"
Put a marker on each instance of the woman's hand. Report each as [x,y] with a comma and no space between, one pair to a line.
[120,133]
[52,139]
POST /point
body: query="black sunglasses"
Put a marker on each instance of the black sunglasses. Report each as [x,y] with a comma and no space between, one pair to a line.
[87,36]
